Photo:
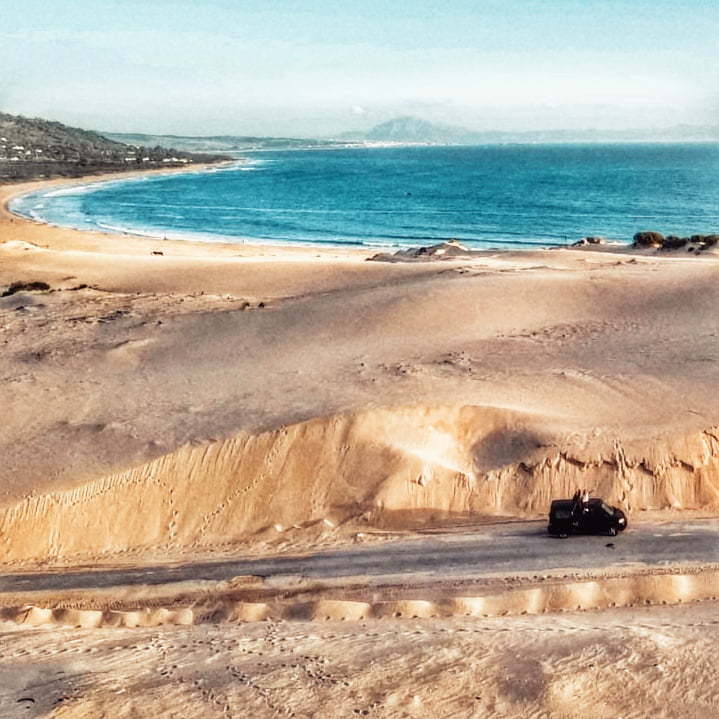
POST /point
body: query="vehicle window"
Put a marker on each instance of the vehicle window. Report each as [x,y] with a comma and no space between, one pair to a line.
[562,513]
[607,509]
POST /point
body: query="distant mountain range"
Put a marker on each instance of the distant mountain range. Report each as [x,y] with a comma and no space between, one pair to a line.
[414,130]
[33,147]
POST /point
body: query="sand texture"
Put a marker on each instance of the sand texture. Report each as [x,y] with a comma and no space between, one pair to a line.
[530,597]
[168,400]
[211,392]
[633,663]
[385,468]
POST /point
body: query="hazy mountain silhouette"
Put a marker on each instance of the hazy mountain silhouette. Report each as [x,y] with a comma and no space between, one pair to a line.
[416,130]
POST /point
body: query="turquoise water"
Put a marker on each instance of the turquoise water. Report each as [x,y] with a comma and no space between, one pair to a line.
[492,196]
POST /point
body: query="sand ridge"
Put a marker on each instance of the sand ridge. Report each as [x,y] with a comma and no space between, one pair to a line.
[600,593]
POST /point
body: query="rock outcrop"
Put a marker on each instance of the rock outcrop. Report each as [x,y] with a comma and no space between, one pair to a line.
[452,249]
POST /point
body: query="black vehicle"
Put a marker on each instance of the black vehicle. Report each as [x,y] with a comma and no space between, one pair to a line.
[584,515]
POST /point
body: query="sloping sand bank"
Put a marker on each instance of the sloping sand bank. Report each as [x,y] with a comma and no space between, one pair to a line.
[390,468]
[209,393]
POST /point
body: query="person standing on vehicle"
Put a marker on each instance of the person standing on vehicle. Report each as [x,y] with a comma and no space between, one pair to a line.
[585,501]
[577,503]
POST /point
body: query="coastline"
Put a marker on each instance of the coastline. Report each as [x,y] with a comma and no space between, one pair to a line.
[10,191]
[160,345]
[254,246]
[248,247]
[61,238]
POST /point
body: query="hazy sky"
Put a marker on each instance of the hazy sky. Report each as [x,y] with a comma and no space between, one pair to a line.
[306,67]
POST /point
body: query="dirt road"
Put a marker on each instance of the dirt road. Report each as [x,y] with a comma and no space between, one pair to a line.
[505,549]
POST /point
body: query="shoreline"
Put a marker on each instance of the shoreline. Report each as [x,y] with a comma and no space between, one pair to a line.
[252,243]
[90,239]
[251,246]
[9,193]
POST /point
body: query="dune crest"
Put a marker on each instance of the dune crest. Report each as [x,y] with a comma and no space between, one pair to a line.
[384,467]
[590,595]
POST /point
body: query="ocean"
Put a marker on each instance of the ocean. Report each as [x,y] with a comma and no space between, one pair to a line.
[510,196]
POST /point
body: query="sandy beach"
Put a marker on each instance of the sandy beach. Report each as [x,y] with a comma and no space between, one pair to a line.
[558,354]
[174,400]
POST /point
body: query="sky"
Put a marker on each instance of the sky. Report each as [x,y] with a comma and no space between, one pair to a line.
[310,68]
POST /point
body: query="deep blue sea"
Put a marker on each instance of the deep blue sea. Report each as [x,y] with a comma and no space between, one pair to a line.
[490,196]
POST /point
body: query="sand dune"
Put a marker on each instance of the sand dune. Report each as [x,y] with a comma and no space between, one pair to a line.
[653,661]
[382,468]
[214,392]
[172,400]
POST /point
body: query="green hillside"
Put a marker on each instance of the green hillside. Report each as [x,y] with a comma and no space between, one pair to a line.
[33,147]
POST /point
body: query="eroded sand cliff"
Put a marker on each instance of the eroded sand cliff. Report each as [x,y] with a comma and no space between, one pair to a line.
[212,393]
[399,468]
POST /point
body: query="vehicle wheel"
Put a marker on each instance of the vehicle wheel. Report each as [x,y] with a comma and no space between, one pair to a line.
[563,536]
[612,531]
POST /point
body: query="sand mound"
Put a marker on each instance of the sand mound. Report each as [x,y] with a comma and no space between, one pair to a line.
[390,468]
[574,596]
[450,250]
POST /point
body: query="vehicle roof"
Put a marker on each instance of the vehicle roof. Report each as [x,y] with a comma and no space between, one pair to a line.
[560,503]
[594,501]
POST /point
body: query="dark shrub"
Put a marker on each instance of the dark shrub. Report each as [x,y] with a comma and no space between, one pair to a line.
[25,287]
[674,243]
[648,239]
